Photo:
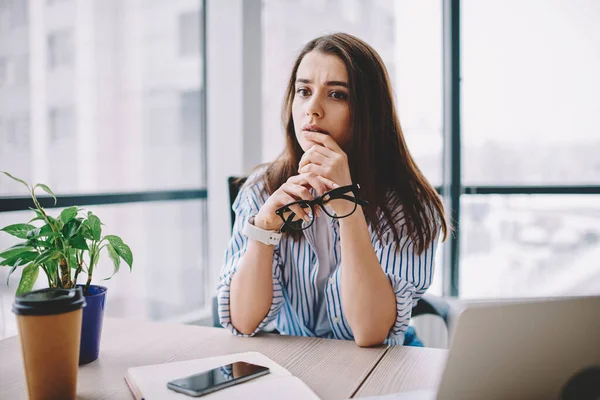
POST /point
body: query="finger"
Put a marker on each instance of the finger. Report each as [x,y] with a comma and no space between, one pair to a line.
[284,199]
[325,140]
[315,182]
[299,191]
[319,148]
[315,169]
[328,182]
[300,213]
[300,180]
[313,157]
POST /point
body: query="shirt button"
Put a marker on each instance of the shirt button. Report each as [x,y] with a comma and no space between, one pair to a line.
[336,320]
[331,280]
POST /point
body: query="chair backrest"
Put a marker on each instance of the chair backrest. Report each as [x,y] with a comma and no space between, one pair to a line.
[428,304]
[235,184]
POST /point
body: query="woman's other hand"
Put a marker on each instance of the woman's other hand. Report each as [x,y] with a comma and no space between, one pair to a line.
[296,188]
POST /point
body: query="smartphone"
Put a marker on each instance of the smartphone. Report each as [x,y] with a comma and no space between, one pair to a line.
[219,378]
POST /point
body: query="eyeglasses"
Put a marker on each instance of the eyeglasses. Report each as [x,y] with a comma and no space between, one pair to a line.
[338,194]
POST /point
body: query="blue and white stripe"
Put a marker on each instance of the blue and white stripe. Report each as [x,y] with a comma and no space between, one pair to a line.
[293,309]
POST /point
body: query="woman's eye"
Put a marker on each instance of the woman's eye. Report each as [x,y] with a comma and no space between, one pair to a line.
[302,92]
[339,95]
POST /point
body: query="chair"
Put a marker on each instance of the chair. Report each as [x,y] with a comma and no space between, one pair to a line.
[428,304]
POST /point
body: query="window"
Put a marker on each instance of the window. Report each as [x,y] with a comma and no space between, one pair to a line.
[530,245]
[531,93]
[14,132]
[189,33]
[21,70]
[3,71]
[530,96]
[18,11]
[190,106]
[60,124]
[60,49]
[89,136]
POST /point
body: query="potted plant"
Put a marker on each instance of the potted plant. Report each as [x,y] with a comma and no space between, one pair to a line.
[66,248]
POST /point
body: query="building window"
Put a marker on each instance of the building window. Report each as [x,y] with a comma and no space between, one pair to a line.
[60,49]
[189,33]
[190,115]
[60,124]
[14,132]
[3,71]
[20,72]
[16,12]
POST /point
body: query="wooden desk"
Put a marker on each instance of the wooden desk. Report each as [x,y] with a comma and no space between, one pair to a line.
[333,369]
[404,369]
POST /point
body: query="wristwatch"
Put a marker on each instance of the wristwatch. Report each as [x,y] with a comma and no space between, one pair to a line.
[250,230]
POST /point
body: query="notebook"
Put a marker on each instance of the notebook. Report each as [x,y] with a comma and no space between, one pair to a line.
[150,382]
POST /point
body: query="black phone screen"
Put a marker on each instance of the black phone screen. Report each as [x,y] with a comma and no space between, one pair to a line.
[224,376]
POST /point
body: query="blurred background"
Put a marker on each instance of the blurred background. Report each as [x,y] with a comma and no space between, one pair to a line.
[140,109]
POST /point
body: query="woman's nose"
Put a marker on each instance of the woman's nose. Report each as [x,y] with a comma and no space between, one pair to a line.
[314,108]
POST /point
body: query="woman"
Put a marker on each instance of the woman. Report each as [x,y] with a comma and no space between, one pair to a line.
[356,277]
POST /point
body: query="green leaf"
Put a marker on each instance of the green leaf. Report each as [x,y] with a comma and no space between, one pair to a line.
[44,231]
[45,189]
[68,214]
[52,267]
[10,273]
[36,219]
[73,260]
[28,277]
[78,242]
[19,259]
[95,227]
[121,248]
[116,259]
[46,256]
[38,212]
[71,228]
[16,179]
[15,251]
[18,230]
[86,231]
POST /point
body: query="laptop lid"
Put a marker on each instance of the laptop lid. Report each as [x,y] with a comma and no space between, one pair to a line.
[529,349]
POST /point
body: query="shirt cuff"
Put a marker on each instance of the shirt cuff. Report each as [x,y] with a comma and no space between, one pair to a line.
[405,294]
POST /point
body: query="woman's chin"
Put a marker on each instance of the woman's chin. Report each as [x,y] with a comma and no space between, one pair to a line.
[306,144]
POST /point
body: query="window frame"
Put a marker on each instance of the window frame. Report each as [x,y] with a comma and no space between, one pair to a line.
[452,188]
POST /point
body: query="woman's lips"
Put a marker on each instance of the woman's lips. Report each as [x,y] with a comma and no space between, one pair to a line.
[314,128]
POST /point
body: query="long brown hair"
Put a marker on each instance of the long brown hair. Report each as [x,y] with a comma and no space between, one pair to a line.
[379,158]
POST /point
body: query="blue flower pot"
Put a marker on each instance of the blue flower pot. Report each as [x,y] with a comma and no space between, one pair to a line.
[91,326]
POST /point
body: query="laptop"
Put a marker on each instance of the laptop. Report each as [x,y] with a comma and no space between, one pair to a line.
[526,349]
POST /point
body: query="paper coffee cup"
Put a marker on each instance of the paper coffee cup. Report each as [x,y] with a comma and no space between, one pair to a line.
[49,323]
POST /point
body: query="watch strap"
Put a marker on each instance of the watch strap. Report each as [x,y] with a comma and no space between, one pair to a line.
[251,231]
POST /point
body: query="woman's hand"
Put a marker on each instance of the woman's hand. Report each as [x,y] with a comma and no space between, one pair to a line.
[326,159]
[296,188]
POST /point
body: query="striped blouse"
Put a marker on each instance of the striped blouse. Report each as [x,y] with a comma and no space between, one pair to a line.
[294,307]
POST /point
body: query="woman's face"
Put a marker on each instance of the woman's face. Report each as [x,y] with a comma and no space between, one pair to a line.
[321,99]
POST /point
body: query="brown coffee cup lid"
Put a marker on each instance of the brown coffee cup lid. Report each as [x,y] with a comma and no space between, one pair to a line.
[49,301]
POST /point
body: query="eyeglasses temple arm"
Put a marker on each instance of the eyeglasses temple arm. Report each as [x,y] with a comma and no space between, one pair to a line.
[363,203]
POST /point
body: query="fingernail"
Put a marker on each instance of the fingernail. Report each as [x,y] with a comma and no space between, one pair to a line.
[307,218]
